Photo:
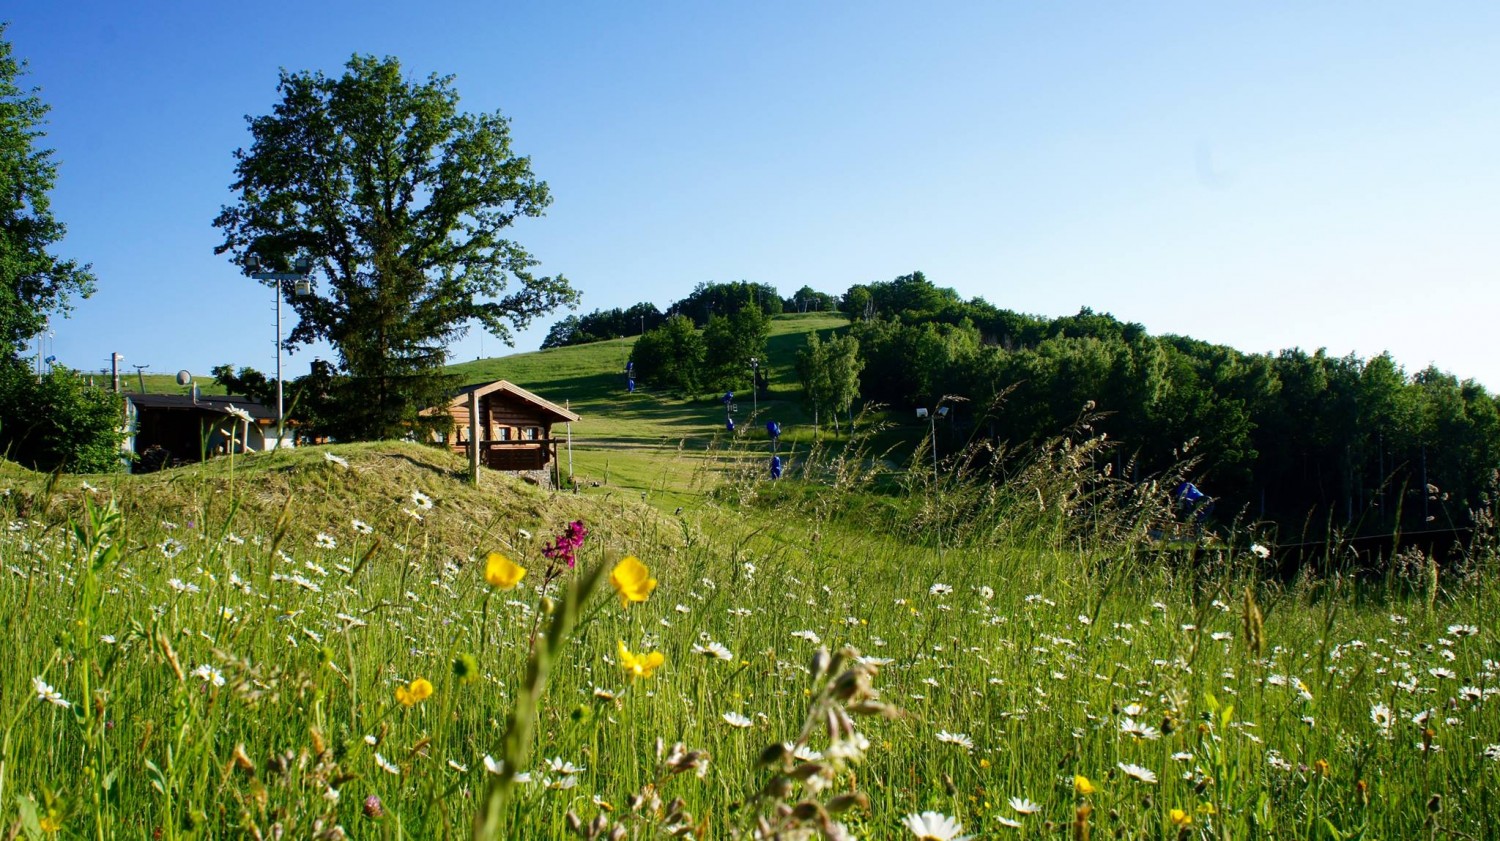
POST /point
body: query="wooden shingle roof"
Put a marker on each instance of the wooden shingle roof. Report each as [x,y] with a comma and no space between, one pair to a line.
[507,387]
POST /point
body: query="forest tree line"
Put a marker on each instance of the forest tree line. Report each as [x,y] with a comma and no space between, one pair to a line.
[1304,438]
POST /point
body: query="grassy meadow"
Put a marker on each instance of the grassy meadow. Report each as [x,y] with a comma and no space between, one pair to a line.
[351,642]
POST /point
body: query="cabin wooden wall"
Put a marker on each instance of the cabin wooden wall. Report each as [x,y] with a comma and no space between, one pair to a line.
[504,419]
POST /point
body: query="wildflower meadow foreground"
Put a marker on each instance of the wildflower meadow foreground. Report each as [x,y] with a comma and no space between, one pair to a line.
[223,662]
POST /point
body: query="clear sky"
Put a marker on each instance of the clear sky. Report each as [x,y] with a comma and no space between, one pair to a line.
[1263,175]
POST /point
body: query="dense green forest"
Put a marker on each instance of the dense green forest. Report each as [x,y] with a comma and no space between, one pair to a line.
[1307,439]
[1295,436]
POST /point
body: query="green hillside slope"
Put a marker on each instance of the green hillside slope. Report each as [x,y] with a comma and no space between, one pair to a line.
[648,442]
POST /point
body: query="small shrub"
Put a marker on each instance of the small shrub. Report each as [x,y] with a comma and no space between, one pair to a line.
[58,422]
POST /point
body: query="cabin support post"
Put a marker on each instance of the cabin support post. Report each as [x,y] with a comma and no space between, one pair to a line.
[474,437]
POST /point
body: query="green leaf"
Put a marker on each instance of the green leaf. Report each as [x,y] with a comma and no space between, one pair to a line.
[29,820]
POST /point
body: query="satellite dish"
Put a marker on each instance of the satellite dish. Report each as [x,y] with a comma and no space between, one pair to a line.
[184,378]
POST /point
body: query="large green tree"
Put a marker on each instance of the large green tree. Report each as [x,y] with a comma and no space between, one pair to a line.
[50,422]
[671,357]
[829,372]
[401,201]
[730,342]
[34,282]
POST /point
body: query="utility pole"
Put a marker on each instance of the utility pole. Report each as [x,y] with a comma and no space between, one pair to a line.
[114,369]
[140,376]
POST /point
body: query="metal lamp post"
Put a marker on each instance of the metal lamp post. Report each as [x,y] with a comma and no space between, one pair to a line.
[302,268]
[939,411]
[754,387]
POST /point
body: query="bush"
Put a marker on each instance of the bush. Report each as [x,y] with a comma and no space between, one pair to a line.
[58,422]
[671,357]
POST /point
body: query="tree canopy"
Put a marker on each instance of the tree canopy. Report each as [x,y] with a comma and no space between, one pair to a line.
[808,299]
[401,201]
[711,299]
[47,422]
[730,342]
[1297,437]
[829,373]
[34,281]
[671,357]
[603,324]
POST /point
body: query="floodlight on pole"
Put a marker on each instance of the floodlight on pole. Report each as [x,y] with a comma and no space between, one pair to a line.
[301,277]
[754,387]
[939,411]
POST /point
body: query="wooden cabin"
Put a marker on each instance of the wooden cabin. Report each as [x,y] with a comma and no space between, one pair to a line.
[171,429]
[513,428]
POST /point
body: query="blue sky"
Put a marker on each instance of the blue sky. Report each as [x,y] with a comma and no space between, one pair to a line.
[1263,175]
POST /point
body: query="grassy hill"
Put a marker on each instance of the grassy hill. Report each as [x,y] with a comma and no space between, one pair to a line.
[647,442]
[325,489]
[310,644]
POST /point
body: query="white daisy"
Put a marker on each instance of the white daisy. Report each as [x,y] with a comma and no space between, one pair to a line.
[182,586]
[960,739]
[1137,730]
[1145,775]
[935,826]
[208,674]
[44,692]
[714,650]
[1024,806]
[736,720]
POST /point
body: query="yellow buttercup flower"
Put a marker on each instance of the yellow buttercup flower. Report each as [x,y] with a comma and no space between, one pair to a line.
[501,572]
[640,665]
[632,580]
[419,691]
[1082,785]
[1180,817]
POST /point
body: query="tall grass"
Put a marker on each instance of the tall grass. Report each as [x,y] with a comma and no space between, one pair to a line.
[231,670]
